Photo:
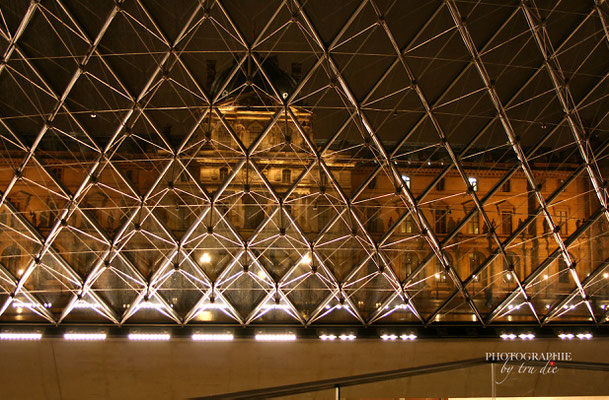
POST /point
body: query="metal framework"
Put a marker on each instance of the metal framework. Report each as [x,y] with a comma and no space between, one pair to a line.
[421,163]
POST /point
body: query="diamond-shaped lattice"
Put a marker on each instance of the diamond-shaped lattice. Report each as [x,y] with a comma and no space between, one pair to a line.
[229,162]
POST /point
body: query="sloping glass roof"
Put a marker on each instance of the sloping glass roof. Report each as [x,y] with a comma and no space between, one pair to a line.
[287,162]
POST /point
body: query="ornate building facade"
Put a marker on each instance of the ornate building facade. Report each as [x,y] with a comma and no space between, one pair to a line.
[247,217]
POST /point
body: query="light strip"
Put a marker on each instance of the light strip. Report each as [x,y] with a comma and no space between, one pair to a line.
[84,336]
[584,336]
[567,336]
[526,336]
[327,337]
[347,337]
[408,337]
[507,336]
[212,337]
[149,336]
[20,336]
[267,337]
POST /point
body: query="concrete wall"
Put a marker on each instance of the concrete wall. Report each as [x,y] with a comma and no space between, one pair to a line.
[119,369]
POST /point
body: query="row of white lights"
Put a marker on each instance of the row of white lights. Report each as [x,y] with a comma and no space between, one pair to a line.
[580,336]
[562,336]
[263,337]
[331,337]
[393,337]
[511,336]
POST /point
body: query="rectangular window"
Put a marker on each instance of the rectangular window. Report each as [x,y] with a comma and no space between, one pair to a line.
[323,179]
[474,224]
[507,186]
[211,71]
[562,221]
[407,226]
[563,271]
[224,136]
[223,173]
[286,176]
[130,175]
[57,173]
[372,184]
[297,71]
[440,185]
[440,217]
[506,222]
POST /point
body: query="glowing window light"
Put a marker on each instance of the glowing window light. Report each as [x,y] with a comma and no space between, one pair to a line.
[149,336]
[408,337]
[306,259]
[275,337]
[22,304]
[205,258]
[566,336]
[473,182]
[507,336]
[327,337]
[84,336]
[526,336]
[20,336]
[86,304]
[213,337]
[347,337]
